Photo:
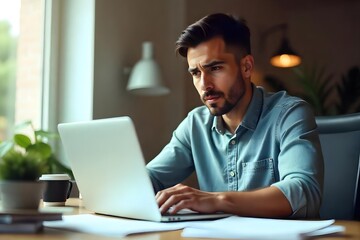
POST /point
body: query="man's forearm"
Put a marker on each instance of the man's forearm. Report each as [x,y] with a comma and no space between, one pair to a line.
[267,202]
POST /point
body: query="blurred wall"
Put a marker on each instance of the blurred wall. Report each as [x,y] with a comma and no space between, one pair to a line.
[121,28]
[323,32]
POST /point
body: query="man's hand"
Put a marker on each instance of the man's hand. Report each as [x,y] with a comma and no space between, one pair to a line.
[266,202]
[181,196]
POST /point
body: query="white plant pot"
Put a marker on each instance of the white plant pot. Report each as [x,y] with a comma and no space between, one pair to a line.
[21,194]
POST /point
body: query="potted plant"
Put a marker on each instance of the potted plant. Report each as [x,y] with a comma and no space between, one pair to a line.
[23,159]
[326,96]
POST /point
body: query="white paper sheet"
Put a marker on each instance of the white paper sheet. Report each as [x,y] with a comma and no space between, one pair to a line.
[256,228]
[333,229]
[111,226]
[231,227]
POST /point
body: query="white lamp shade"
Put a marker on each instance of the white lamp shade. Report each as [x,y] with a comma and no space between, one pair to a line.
[145,78]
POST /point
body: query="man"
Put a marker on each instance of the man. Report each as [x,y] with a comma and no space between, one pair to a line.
[255,153]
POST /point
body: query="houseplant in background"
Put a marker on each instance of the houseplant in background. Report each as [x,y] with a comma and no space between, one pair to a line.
[317,88]
[349,92]
[23,159]
[321,91]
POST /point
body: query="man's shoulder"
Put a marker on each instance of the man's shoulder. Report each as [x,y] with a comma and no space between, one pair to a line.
[281,100]
[280,104]
[280,107]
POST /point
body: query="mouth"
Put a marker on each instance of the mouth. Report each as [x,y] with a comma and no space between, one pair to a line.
[211,96]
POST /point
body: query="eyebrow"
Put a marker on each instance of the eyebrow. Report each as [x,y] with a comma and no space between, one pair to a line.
[207,65]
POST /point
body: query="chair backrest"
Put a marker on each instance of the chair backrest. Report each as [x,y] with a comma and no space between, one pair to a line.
[340,142]
[357,196]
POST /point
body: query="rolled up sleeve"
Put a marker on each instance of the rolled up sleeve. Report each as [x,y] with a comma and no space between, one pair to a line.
[174,163]
[300,161]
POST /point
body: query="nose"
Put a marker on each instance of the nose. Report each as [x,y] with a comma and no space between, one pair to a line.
[206,82]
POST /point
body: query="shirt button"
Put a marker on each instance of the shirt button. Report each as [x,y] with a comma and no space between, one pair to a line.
[233,142]
[232,173]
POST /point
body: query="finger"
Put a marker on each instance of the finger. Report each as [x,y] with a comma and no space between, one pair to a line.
[172,202]
[199,202]
[163,195]
[185,203]
[160,193]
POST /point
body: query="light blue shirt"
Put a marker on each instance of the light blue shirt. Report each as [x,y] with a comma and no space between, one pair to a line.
[276,144]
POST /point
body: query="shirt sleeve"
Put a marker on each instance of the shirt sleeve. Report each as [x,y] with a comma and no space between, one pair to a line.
[174,163]
[300,160]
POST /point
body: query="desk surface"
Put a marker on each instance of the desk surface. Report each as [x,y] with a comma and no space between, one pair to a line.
[352,231]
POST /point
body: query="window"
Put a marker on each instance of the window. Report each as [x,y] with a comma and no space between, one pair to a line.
[21,62]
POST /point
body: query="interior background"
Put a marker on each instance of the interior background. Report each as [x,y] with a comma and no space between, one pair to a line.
[92,83]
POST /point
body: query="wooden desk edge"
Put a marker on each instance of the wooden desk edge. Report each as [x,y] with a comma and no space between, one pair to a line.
[352,231]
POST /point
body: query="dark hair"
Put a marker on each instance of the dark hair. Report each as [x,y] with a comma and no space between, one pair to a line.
[234,32]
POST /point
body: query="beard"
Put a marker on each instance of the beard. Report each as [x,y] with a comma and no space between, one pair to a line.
[231,99]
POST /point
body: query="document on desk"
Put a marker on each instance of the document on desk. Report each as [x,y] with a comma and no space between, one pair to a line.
[260,228]
[231,227]
[111,226]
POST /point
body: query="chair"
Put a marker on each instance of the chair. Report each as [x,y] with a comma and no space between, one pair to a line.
[340,142]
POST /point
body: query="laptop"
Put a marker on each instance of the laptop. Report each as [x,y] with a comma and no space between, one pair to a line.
[109,169]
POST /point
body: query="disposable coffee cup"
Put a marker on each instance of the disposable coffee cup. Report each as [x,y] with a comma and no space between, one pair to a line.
[57,190]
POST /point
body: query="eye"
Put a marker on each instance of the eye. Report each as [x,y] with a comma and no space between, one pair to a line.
[215,68]
[195,73]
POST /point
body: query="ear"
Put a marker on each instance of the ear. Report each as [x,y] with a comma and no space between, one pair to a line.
[247,66]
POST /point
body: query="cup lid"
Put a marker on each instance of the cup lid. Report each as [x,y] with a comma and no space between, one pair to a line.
[54,177]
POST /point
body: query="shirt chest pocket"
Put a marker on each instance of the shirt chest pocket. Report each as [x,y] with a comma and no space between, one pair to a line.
[257,174]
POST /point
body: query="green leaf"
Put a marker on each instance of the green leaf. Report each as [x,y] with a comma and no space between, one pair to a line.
[317,88]
[40,148]
[37,158]
[18,166]
[22,140]
[5,147]
[40,135]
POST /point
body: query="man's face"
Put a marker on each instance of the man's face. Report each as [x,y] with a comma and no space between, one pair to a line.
[216,75]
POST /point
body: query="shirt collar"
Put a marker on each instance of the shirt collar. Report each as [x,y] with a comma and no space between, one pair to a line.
[252,114]
[254,110]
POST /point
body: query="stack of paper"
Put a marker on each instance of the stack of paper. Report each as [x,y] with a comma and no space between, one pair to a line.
[111,226]
[260,228]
